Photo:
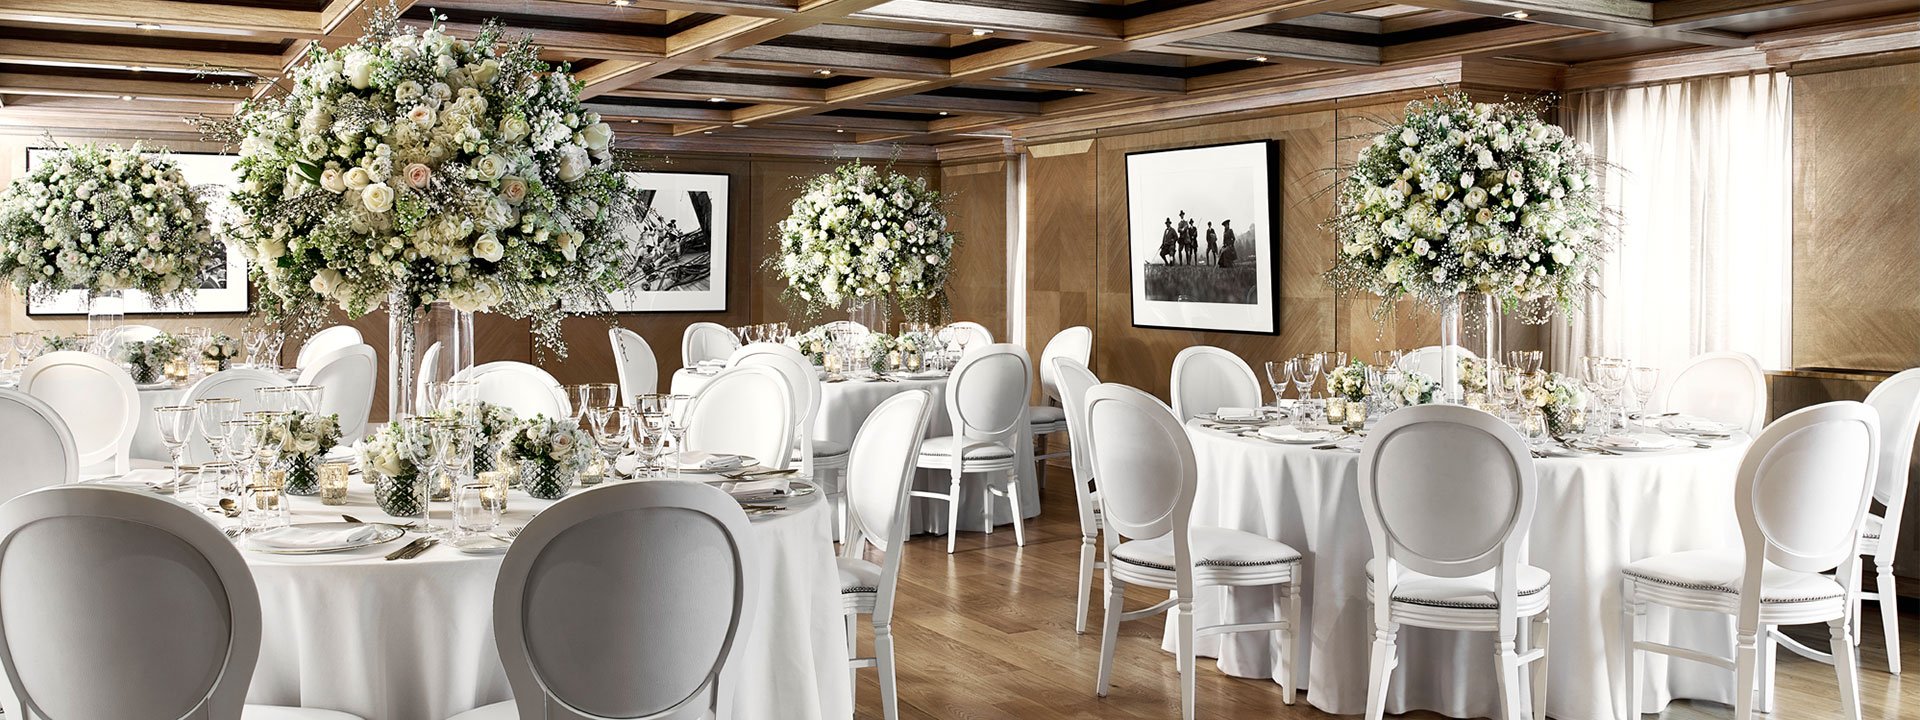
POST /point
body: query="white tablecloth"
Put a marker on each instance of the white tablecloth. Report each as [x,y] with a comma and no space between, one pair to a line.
[1595,515]
[413,639]
[844,407]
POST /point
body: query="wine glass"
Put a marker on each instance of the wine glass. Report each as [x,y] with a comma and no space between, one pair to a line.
[650,437]
[1643,380]
[600,401]
[23,343]
[305,398]
[1306,371]
[273,398]
[176,430]
[1611,377]
[213,416]
[677,423]
[1277,379]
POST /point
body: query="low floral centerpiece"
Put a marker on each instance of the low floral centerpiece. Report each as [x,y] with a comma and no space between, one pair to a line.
[104,219]
[388,456]
[147,359]
[1348,387]
[860,237]
[814,344]
[1415,388]
[302,438]
[1561,401]
[220,350]
[492,426]
[1473,379]
[550,453]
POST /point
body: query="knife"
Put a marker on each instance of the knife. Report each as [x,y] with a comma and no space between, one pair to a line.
[404,549]
[424,546]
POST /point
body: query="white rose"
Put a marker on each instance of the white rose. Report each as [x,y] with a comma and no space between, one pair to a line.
[488,248]
[1409,137]
[513,128]
[573,163]
[331,180]
[422,115]
[513,190]
[377,197]
[326,281]
[357,178]
[597,135]
[358,69]
[490,166]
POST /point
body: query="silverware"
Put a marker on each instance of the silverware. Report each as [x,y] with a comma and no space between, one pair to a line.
[404,549]
[758,474]
[1328,446]
[229,507]
[232,532]
[425,546]
[352,519]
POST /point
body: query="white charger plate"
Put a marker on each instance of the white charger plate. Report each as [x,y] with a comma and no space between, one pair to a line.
[384,533]
[1293,436]
[673,462]
[1641,442]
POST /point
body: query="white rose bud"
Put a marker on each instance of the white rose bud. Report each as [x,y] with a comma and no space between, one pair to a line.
[377,197]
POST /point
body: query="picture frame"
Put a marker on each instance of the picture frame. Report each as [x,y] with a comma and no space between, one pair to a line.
[224,285]
[686,271]
[1202,249]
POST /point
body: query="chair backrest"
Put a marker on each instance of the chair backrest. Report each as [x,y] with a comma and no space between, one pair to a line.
[120,604]
[977,335]
[879,483]
[632,601]
[1447,490]
[802,381]
[744,410]
[706,341]
[634,364]
[1075,343]
[326,341]
[1074,381]
[348,374]
[40,448]
[987,393]
[1724,386]
[95,397]
[1897,400]
[118,337]
[1804,487]
[429,374]
[517,386]
[1207,378]
[848,327]
[1146,468]
[241,384]
[1431,360]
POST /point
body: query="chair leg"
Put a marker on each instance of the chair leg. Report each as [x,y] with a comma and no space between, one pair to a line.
[1538,639]
[1769,652]
[1632,616]
[1013,501]
[883,663]
[853,651]
[1086,584]
[1507,662]
[953,512]
[1858,600]
[1292,640]
[1380,670]
[1109,632]
[1889,614]
[986,505]
[1746,669]
[1846,666]
[1183,631]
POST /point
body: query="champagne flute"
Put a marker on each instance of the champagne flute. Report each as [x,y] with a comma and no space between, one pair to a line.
[1277,380]
[176,430]
[677,423]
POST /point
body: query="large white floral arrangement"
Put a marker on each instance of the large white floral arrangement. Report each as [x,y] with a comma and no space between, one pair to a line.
[1465,196]
[104,219]
[441,168]
[857,234]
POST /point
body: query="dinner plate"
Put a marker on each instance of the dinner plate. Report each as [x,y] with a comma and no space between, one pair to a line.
[153,386]
[1212,418]
[1293,436]
[384,533]
[795,491]
[1695,426]
[1641,442]
[697,463]
[922,375]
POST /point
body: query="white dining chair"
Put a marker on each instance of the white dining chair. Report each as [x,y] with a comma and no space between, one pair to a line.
[706,341]
[121,604]
[746,410]
[1207,378]
[525,389]
[348,374]
[1897,400]
[986,407]
[1801,498]
[113,339]
[1146,468]
[1431,360]
[1074,380]
[634,365]
[879,480]
[40,447]
[975,334]
[1448,493]
[98,401]
[631,601]
[241,384]
[325,341]
[1727,387]
[429,373]
[1048,418]
[847,327]
[821,460]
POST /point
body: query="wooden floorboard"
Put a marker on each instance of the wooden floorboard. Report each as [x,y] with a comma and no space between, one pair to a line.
[987,634]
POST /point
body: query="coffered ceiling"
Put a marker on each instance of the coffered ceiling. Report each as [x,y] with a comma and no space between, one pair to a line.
[772,74]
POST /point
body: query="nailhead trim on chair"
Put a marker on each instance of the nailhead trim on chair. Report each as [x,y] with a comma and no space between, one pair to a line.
[1727,590]
[858,590]
[1210,563]
[1458,604]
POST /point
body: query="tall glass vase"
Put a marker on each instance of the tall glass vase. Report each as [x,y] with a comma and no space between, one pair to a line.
[1471,323]
[106,312]
[872,313]
[412,333]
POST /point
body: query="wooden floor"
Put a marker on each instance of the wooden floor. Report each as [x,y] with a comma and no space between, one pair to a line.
[988,633]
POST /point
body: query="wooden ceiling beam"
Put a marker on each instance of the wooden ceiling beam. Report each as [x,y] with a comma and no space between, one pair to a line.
[848,122]
[960,105]
[579,43]
[725,91]
[1624,17]
[710,40]
[1243,45]
[41,52]
[663,114]
[1488,41]
[839,62]
[69,86]
[166,15]
[954,18]
[749,8]
[1069,79]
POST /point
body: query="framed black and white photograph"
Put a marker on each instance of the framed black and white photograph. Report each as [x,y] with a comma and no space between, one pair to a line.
[681,245]
[223,277]
[1201,226]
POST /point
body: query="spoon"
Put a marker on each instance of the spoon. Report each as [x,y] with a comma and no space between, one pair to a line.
[229,508]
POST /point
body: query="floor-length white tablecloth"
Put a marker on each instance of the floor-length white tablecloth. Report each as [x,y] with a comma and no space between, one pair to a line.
[413,639]
[1595,515]
[844,407]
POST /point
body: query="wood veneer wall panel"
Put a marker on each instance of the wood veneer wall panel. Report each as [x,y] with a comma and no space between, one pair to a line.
[977,210]
[1061,241]
[1856,218]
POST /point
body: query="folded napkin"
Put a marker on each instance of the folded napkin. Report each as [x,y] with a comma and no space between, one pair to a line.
[1237,413]
[759,490]
[708,460]
[298,537]
[1293,434]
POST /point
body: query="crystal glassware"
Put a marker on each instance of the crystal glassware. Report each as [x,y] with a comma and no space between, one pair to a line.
[305,398]
[1643,381]
[1611,377]
[264,507]
[472,513]
[678,407]
[1305,372]
[1277,380]
[176,430]
[213,416]
[215,480]
[333,482]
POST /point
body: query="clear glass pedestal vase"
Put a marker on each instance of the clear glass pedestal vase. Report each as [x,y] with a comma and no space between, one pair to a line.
[432,343]
[873,314]
[1471,323]
[106,312]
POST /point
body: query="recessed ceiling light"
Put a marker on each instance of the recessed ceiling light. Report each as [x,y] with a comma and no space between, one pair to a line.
[137,68]
[739,125]
[620,3]
[706,132]
[630,121]
[146,26]
[943,112]
[1258,58]
[823,72]
[1518,15]
[981,32]
[716,99]
[1079,89]
[840,130]
[126,97]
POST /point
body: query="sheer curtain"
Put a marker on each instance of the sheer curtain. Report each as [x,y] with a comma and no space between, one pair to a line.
[1702,178]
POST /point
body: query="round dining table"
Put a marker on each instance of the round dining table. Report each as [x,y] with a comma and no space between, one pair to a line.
[1596,513]
[844,407]
[413,639]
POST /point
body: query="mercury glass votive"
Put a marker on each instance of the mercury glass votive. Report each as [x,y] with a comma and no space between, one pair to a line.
[333,483]
[494,496]
[263,508]
[1336,411]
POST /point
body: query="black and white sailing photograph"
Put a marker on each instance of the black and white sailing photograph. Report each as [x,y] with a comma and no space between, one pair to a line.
[680,246]
[1199,224]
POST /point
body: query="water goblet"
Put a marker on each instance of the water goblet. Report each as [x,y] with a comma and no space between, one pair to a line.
[1611,377]
[651,439]
[305,398]
[176,430]
[1643,380]
[273,398]
[214,413]
[1306,371]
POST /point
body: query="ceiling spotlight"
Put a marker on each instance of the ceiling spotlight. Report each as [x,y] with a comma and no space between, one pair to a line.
[706,132]
[716,99]
[620,3]
[840,130]
[739,125]
[128,98]
[1258,58]
[1518,14]
[631,121]
[943,112]
[823,72]
[146,26]
[1079,89]
[981,32]
[137,68]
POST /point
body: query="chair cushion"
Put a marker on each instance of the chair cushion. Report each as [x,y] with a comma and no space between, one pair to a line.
[1470,592]
[1722,571]
[943,447]
[1211,547]
[858,576]
[1045,415]
[830,448]
[273,712]
[503,710]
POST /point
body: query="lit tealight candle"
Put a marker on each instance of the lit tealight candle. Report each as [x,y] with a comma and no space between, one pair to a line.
[333,483]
